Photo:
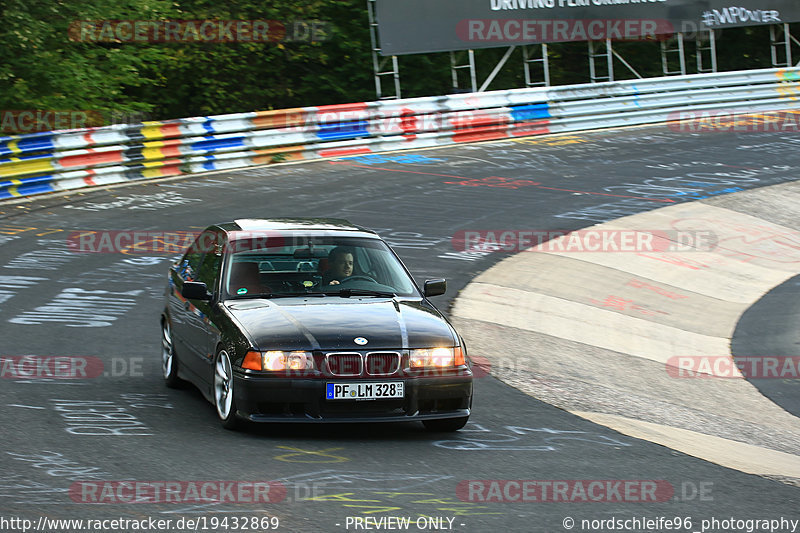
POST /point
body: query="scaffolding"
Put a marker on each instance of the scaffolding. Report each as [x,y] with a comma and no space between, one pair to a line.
[382,67]
[706,46]
[457,65]
[602,58]
[465,61]
[781,39]
[603,51]
[673,53]
[529,58]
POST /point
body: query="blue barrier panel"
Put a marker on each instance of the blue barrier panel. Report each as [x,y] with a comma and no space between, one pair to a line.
[522,113]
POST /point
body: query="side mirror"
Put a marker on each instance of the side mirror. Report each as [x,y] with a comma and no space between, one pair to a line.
[195,290]
[435,287]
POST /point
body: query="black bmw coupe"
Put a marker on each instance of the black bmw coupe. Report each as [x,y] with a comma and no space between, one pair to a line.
[311,320]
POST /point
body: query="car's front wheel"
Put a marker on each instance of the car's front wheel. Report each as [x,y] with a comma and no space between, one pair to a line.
[223,390]
[445,425]
[169,362]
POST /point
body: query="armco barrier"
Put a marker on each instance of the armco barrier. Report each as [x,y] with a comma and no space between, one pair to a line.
[65,160]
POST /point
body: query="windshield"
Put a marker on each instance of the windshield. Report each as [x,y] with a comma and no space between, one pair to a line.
[320,266]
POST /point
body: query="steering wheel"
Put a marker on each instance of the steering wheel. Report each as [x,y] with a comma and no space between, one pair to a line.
[359,277]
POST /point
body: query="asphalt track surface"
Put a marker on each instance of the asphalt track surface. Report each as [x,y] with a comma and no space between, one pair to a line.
[334,474]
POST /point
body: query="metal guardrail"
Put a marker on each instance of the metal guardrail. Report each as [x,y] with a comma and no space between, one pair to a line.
[65,160]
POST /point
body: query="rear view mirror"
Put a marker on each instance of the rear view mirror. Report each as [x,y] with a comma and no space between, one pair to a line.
[435,287]
[195,290]
[305,253]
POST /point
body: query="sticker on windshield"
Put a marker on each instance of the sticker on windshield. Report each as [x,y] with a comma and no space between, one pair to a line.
[241,291]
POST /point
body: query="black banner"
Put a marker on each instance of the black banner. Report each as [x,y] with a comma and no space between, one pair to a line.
[418,26]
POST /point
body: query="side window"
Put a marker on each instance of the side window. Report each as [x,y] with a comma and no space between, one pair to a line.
[189,267]
[210,267]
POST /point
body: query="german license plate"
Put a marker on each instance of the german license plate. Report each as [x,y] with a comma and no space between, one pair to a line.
[365,390]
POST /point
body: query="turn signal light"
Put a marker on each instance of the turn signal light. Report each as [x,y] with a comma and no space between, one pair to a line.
[252,361]
[459,356]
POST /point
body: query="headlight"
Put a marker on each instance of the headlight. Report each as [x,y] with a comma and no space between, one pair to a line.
[436,358]
[277,361]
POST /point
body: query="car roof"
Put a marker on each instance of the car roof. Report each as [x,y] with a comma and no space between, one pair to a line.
[327,226]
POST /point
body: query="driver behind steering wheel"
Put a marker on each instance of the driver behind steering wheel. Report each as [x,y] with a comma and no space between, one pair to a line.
[340,266]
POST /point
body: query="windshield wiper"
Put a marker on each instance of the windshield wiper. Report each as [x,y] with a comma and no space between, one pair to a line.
[347,293]
[278,295]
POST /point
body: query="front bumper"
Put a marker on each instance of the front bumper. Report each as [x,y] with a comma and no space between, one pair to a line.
[272,399]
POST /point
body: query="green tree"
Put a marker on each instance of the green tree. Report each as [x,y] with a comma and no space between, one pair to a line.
[42,68]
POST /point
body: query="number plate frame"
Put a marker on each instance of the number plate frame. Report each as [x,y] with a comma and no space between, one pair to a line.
[364,390]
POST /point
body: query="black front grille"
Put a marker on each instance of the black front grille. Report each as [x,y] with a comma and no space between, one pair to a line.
[344,364]
[382,363]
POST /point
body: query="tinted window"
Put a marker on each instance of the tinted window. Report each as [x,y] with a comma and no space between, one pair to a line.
[209,269]
[189,265]
[315,265]
[203,259]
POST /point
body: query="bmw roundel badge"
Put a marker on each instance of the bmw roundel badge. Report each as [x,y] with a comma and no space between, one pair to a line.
[361,341]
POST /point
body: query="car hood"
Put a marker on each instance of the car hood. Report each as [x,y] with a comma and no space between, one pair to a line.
[318,324]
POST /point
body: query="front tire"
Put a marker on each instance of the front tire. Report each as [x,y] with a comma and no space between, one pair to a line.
[445,425]
[169,362]
[223,390]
